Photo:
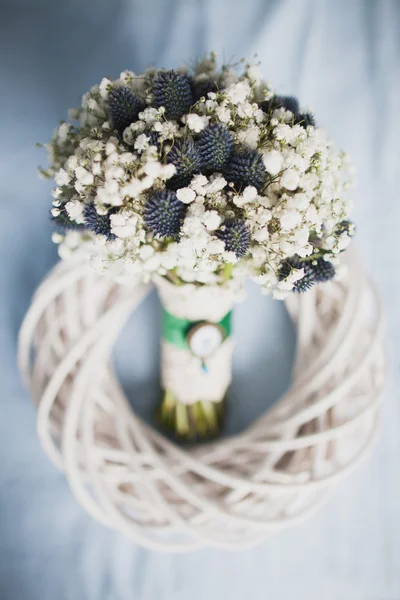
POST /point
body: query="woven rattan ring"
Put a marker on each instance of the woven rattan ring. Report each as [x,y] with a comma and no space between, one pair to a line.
[231,493]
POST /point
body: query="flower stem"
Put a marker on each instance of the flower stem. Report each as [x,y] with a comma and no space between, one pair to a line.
[191,422]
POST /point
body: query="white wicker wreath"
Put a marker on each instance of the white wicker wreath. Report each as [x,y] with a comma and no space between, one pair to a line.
[232,493]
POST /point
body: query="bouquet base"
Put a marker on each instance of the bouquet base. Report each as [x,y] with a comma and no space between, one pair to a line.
[199,421]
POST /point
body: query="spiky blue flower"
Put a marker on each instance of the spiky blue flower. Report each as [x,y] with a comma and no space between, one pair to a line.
[345,227]
[154,138]
[316,270]
[63,223]
[294,262]
[164,213]
[287,102]
[245,168]
[305,119]
[173,91]
[235,235]
[202,88]
[323,270]
[124,107]
[99,224]
[215,145]
[186,158]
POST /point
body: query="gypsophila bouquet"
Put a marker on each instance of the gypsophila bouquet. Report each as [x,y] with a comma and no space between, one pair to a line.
[199,180]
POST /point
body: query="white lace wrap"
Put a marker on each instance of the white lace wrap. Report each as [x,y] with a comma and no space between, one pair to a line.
[181,371]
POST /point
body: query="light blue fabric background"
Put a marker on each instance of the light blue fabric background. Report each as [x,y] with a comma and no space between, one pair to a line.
[342,58]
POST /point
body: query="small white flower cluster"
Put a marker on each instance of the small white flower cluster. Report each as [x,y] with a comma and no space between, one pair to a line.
[105,180]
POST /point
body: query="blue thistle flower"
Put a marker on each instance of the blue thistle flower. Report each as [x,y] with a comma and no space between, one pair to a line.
[305,119]
[163,214]
[154,138]
[287,102]
[235,236]
[215,145]
[245,168]
[186,158]
[323,270]
[99,224]
[345,227]
[173,91]
[315,271]
[294,262]
[63,223]
[202,88]
[124,107]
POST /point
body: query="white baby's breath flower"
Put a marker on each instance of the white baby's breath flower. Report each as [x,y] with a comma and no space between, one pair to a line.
[261,234]
[216,185]
[84,176]
[56,237]
[290,219]
[153,168]
[186,195]
[104,87]
[141,142]
[167,171]
[63,131]
[74,209]
[146,251]
[132,189]
[211,220]
[250,136]
[290,179]
[196,123]
[238,92]
[254,73]
[273,161]
[249,195]
[198,184]
[150,115]
[62,177]
[223,114]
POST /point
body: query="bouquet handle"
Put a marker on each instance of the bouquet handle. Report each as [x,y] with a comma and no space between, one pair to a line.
[196,357]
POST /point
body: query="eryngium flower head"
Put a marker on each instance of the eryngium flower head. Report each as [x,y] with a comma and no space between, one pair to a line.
[185,156]
[215,145]
[123,107]
[163,214]
[173,91]
[154,139]
[235,236]
[305,119]
[345,227]
[202,88]
[245,168]
[315,271]
[63,223]
[287,102]
[294,262]
[323,270]
[99,224]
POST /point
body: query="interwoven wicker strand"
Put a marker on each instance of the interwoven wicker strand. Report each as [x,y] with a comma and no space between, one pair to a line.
[232,493]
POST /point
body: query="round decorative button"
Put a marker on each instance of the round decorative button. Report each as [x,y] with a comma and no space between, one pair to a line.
[204,339]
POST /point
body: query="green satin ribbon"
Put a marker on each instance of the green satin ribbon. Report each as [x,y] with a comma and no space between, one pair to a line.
[175,330]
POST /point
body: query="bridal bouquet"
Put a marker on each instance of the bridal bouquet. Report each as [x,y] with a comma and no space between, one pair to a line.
[199,180]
